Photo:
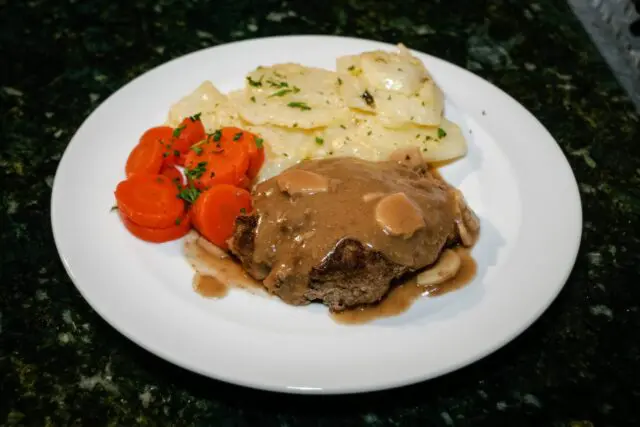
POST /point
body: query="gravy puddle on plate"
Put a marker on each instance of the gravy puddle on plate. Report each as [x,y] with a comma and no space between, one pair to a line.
[402,296]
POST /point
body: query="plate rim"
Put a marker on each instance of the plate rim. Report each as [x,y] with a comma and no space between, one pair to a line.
[311,390]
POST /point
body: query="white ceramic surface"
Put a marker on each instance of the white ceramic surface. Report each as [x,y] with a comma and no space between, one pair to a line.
[513,174]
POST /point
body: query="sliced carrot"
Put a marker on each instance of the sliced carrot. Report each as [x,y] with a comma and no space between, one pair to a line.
[147,156]
[149,200]
[215,211]
[216,162]
[253,144]
[244,183]
[174,175]
[190,131]
[181,226]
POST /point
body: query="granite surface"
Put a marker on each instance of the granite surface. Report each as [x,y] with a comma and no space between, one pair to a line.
[61,364]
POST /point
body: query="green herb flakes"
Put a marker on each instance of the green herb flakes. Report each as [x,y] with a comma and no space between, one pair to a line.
[301,105]
[189,194]
[255,83]
[281,92]
[177,131]
[196,172]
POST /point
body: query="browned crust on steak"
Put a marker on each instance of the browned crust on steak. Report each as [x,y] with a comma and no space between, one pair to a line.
[351,275]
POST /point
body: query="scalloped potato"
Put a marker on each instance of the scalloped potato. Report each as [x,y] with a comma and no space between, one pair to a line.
[376,103]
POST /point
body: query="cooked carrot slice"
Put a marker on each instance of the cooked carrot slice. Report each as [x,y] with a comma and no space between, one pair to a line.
[216,162]
[148,155]
[149,200]
[188,132]
[215,211]
[181,226]
[253,144]
[174,175]
[244,183]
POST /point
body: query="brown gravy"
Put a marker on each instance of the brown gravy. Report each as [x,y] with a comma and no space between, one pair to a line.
[402,296]
[220,271]
[209,286]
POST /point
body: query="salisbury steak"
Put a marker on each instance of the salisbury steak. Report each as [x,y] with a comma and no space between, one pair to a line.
[341,230]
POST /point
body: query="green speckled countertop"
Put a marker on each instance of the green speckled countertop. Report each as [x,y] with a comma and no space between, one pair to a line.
[61,364]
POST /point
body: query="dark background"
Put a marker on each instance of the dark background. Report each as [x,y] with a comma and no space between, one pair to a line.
[61,364]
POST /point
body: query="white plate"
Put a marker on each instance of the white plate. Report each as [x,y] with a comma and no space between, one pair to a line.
[515,177]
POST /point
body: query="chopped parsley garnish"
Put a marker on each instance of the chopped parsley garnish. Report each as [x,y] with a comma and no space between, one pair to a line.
[351,68]
[253,99]
[368,98]
[189,194]
[177,131]
[319,140]
[281,92]
[277,84]
[237,136]
[301,105]
[195,117]
[216,135]
[196,172]
[197,147]
[441,133]
[343,126]
[178,221]
[243,211]
[259,142]
[254,83]
[176,153]
[339,81]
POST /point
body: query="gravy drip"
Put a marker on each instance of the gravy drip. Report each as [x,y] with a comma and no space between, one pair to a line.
[402,296]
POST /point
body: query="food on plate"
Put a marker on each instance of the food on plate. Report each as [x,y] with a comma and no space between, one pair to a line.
[341,230]
[394,86]
[290,95]
[375,103]
[215,211]
[158,202]
[149,200]
[308,183]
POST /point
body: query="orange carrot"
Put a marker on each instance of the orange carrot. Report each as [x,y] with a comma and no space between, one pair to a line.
[215,211]
[174,175]
[190,131]
[181,226]
[252,142]
[215,161]
[149,200]
[147,156]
